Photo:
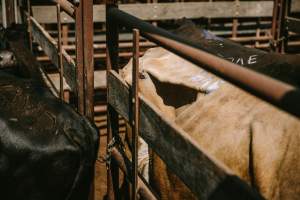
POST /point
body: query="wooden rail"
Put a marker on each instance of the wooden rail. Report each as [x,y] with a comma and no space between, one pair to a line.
[164,11]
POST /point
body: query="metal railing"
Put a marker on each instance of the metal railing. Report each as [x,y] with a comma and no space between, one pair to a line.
[282,24]
[82,12]
[279,94]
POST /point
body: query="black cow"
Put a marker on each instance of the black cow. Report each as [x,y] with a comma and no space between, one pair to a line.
[47,150]
[281,66]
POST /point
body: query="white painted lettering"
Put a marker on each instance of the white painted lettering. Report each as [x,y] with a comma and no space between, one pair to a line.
[240,60]
[252,59]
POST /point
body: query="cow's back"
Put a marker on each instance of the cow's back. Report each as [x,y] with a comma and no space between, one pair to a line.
[47,150]
[257,141]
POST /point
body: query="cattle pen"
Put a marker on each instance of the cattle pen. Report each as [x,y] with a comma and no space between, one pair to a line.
[86,43]
[162,135]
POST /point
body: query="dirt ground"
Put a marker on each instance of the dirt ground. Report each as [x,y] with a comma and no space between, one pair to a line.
[100,175]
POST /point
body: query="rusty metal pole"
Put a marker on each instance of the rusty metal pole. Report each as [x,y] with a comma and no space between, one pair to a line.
[274,18]
[29,24]
[88,57]
[281,26]
[235,19]
[87,53]
[66,6]
[79,59]
[285,30]
[277,25]
[276,92]
[135,111]
[60,58]
[125,165]
[10,12]
[112,41]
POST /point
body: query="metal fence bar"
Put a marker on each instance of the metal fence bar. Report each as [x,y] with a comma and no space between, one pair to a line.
[10,12]
[112,58]
[29,24]
[293,24]
[66,6]
[60,56]
[280,94]
[79,60]
[88,57]
[125,165]
[135,111]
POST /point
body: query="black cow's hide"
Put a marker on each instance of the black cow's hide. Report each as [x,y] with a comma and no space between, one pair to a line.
[281,66]
[47,150]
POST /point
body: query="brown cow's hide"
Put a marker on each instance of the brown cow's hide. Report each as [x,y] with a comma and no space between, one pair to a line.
[255,140]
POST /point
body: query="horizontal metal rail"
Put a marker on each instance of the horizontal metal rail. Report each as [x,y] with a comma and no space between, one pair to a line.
[66,6]
[282,95]
[174,10]
[293,24]
[126,166]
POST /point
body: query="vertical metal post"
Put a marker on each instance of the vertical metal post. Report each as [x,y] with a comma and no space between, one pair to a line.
[79,59]
[65,31]
[88,57]
[29,24]
[112,41]
[16,11]
[284,28]
[135,111]
[85,58]
[4,20]
[281,28]
[60,58]
[235,19]
[274,18]
[10,12]
[278,21]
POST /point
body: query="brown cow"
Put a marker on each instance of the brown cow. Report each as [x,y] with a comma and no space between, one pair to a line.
[255,140]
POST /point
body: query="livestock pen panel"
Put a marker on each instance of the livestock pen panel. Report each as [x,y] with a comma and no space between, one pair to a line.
[170,142]
[247,22]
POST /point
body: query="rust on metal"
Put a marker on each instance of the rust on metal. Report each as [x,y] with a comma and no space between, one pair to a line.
[10,12]
[280,12]
[66,6]
[135,111]
[85,58]
[272,89]
[88,57]
[280,94]
[112,60]
[79,60]
[28,16]
[125,165]
[60,56]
